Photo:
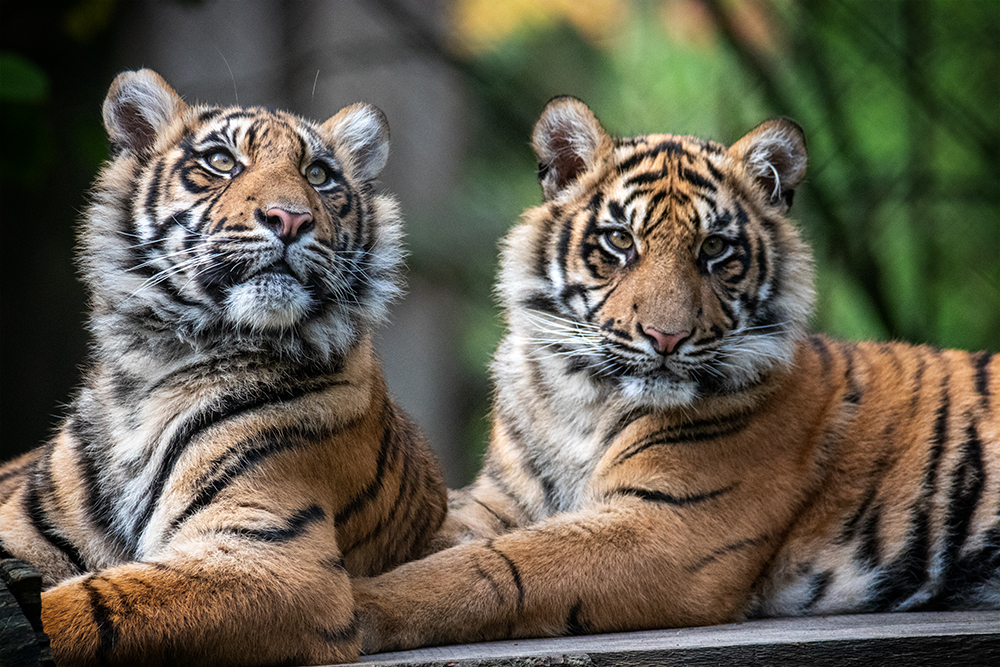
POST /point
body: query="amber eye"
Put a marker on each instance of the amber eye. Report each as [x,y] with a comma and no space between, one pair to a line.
[619,239]
[713,246]
[316,174]
[222,161]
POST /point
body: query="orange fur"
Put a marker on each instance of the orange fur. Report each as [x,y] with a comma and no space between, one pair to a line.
[670,447]
[233,456]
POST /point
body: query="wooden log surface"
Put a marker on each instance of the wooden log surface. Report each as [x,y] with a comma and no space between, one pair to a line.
[22,641]
[935,639]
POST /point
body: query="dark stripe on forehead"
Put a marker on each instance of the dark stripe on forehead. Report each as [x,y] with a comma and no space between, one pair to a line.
[693,177]
[666,147]
[716,174]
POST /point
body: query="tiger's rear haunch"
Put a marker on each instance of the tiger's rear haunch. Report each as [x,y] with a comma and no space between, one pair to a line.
[233,455]
[670,447]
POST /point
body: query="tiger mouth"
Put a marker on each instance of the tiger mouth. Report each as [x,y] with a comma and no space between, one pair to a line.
[280,267]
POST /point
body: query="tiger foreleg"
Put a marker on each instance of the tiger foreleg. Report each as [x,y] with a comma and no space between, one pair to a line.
[229,603]
[615,567]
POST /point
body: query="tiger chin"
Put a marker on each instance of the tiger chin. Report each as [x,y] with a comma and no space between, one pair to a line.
[233,455]
[670,446]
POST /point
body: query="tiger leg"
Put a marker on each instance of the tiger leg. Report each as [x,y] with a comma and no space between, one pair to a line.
[478,511]
[613,568]
[246,596]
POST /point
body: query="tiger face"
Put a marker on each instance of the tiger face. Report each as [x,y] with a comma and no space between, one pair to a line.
[247,221]
[661,265]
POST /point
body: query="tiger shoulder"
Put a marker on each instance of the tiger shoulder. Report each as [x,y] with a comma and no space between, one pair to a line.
[233,455]
[670,445]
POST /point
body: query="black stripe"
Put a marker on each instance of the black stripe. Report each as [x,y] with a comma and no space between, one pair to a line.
[293,528]
[541,302]
[876,479]
[342,634]
[852,392]
[153,194]
[519,439]
[725,550]
[93,460]
[39,519]
[404,530]
[541,254]
[483,574]
[514,573]
[978,569]
[908,572]
[670,499]
[244,458]
[818,585]
[373,488]
[226,408]
[668,147]
[698,431]
[505,523]
[696,179]
[965,493]
[981,362]
[107,630]
[574,625]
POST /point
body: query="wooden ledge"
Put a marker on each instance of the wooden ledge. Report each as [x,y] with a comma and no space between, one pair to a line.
[905,640]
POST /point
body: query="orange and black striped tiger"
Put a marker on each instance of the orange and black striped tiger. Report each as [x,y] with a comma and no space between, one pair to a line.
[233,455]
[670,447]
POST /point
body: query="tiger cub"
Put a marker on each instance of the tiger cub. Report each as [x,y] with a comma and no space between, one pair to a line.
[233,455]
[670,447]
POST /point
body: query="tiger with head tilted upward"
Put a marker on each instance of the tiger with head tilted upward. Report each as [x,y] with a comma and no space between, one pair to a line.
[670,447]
[233,455]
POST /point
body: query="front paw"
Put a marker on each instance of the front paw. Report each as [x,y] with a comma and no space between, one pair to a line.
[372,621]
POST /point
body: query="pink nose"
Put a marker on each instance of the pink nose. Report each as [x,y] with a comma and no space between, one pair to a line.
[665,343]
[288,225]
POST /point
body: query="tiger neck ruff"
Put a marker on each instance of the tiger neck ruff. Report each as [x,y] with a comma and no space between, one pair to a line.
[233,455]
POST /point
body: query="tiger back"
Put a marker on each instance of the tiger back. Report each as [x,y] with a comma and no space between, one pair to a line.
[233,455]
[670,446]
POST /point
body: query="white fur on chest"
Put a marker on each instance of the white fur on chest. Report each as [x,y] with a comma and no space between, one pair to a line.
[562,413]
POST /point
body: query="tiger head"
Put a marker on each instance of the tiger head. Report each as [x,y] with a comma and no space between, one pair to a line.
[241,225]
[661,265]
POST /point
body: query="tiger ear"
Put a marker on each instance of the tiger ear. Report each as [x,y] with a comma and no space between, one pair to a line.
[567,138]
[362,131]
[774,156]
[138,107]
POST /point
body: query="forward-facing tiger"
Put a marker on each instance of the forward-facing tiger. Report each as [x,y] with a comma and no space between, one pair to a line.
[670,447]
[233,455]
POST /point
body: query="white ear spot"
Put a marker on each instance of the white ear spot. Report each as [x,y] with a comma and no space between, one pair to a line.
[774,155]
[362,131]
[566,139]
[138,107]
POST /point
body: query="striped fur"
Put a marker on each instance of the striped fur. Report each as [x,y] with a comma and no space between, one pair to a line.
[670,447]
[233,455]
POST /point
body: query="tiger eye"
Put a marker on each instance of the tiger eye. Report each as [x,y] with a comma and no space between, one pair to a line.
[619,239]
[713,246]
[316,174]
[222,161]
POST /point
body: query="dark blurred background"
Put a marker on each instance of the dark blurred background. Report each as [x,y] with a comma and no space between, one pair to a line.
[900,101]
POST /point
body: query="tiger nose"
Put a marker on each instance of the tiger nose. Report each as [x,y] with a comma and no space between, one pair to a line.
[288,225]
[665,343]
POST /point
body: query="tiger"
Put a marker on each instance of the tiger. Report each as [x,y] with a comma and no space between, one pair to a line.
[671,445]
[233,455]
